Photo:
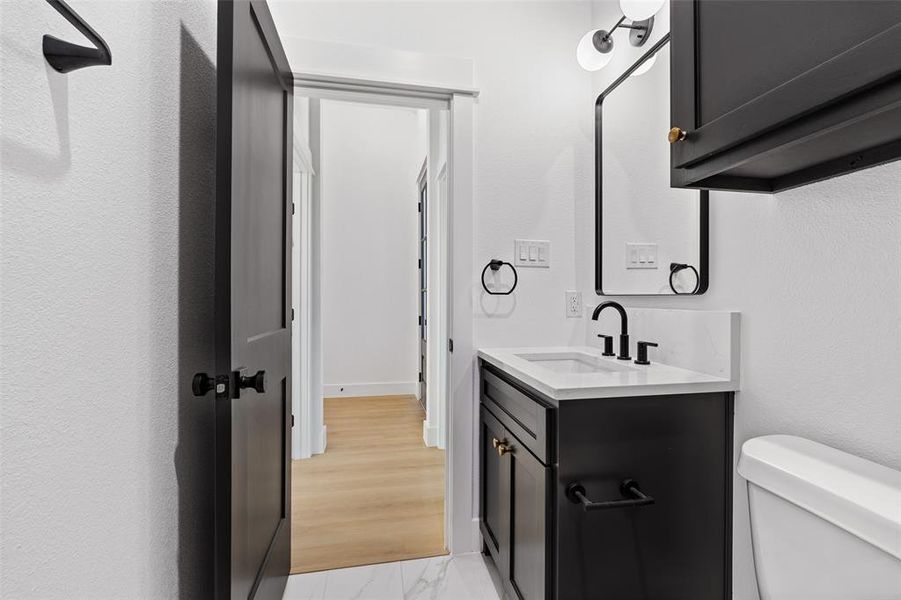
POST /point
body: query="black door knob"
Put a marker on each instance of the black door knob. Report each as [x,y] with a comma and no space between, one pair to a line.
[202,383]
[256,382]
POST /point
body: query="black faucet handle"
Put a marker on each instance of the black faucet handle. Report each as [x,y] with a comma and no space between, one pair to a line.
[608,344]
[643,352]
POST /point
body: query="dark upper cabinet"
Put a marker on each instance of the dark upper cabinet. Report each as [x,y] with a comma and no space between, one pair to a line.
[774,95]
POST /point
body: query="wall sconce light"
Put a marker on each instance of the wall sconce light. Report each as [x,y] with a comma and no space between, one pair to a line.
[595,49]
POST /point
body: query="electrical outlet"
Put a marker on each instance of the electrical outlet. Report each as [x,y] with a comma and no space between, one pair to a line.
[573,304]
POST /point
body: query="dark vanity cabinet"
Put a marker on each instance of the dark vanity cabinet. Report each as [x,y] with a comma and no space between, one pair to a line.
[767,96]
[546,545]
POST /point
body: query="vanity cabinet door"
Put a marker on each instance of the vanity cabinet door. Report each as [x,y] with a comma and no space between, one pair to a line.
[773,95]
[515,511]
[494,516]
[679,450]
[529,544]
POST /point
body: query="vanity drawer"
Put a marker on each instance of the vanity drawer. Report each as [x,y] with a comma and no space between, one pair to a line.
[527,418]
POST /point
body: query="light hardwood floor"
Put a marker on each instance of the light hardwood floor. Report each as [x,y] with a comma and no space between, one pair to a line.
[376,494]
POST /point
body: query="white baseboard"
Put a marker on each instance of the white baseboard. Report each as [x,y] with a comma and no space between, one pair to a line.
[320,447]
[390,388]
[429,434]
[476,545]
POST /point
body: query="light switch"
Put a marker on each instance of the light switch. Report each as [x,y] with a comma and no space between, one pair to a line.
[532,253]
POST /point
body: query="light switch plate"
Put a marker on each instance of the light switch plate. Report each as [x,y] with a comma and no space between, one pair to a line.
[573,304]
[641,256]
[532,253]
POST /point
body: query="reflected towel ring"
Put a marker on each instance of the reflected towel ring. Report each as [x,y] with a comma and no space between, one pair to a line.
[495,264]
[675,268]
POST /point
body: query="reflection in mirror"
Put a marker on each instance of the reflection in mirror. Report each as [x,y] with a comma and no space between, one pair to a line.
[651,239]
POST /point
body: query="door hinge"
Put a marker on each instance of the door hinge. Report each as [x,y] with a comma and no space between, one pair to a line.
[420,377]
[292,420]
[292,208]
[419,264]
[450,344]
[419,207]
[292,314]
[419,320]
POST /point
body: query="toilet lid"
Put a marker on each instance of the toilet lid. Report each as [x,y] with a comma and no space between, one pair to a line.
[860,496]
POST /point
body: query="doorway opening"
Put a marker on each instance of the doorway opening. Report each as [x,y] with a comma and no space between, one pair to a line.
[371,295]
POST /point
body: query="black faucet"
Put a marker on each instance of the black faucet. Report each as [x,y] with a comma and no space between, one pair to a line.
[624,320]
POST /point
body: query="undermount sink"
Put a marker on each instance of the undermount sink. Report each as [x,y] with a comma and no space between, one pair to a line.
[575,362]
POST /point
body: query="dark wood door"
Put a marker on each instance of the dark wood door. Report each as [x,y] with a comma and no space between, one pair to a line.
[253,308]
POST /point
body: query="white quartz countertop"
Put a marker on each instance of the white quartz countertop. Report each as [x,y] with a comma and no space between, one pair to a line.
[613,378]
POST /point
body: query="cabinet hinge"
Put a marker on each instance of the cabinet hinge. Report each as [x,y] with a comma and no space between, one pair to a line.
[292,314]
[450,344]
[420,377]
[292,208]
[292,420]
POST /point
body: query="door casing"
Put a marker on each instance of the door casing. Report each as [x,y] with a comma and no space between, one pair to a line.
[461,512]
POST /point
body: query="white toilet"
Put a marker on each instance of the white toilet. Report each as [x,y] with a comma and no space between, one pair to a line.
[825,525]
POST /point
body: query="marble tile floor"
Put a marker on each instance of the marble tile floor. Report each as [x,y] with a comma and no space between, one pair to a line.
[461,577]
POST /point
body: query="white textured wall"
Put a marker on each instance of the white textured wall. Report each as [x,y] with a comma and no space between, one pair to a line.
[106,190]
[533,131]
[370,157]
[816,275]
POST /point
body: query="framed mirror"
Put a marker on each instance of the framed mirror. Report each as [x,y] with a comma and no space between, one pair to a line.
[650,239]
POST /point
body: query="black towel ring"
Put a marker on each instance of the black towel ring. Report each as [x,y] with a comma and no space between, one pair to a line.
[494,265]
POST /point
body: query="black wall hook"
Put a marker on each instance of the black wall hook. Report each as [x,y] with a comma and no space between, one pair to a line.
[495,264]
[65,56]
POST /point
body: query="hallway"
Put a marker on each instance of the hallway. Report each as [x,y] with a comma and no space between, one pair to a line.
[377,493]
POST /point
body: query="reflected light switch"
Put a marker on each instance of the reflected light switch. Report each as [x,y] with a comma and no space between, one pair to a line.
[641,256]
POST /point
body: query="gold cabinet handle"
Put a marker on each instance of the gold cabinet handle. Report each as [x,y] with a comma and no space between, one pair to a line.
[503,448]
[676,134]
[495,442]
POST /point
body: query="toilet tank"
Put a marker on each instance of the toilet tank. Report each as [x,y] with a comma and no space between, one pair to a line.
[825,525]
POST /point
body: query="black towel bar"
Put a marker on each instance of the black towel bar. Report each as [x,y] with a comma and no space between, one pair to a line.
[629,487]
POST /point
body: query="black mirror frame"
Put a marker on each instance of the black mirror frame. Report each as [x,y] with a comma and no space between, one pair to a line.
[704,195]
